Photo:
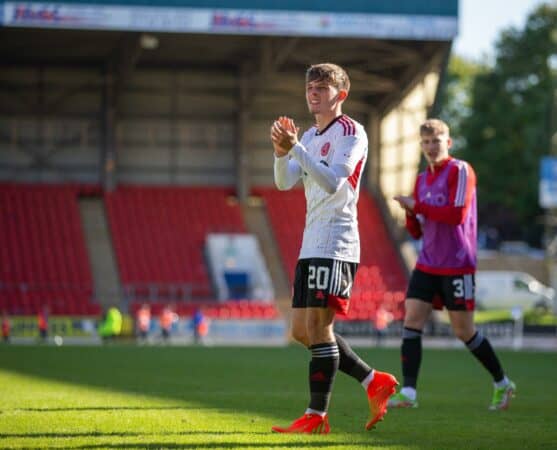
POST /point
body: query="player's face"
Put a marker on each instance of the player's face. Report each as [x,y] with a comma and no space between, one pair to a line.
[321,97]
[435,147]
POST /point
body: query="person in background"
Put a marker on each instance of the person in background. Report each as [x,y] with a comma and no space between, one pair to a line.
[42,323]
[143,322]
[442,211]
[167,319]
[382,320]
[200,325]
[111,327]
[6,327]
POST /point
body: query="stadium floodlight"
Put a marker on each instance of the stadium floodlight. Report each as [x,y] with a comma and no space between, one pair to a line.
[149,41]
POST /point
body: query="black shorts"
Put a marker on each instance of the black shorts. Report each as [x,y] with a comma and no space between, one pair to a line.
[323,283]
[455,292]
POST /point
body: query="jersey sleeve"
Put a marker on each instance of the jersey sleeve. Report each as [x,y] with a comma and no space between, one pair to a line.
[349,152]
[413,225]
[330,179]
[461,183]
[287,172]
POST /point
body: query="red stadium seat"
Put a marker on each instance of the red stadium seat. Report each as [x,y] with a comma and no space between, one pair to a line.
[380,278]
[159,234]
[43,255]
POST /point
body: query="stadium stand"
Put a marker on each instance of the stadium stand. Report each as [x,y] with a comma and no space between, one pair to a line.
[380,278]
[43,257]
[159,236]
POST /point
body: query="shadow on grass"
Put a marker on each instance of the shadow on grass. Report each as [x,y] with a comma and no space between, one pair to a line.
[159,445]
[239,379]
[120,434]
[107,408]
[311,442]
[235,445]
[261,382]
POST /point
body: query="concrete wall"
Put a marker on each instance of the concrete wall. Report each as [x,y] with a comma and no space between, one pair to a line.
[172,126]
[399,150]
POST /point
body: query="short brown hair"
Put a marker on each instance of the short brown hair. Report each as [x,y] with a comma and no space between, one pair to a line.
[432,126]
[330,73]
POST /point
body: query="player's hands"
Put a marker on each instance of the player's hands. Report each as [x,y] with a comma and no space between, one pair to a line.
[284,135]
[406,202]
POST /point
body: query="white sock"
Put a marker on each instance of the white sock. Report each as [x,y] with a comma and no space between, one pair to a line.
[504,382]
[314,411]
[409,392]
[367,380]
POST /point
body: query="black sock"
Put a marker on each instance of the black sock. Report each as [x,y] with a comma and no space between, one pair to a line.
[482,350]
[411,354]
[322,370]
[350,363]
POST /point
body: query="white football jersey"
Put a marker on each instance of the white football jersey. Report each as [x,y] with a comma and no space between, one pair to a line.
[331,229]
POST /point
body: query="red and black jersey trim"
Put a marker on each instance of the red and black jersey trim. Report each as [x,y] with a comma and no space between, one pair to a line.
[355,177]
[330,124]
[348,124]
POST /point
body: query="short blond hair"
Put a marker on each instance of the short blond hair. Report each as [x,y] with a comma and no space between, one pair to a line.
[433,126]
[330,73]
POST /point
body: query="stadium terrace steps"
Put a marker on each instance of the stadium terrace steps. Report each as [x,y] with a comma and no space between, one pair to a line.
[257,221]
[380,280]
[101,254]
[43,257]
[287,212]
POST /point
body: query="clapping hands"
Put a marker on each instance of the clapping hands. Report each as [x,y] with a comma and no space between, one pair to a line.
[284,135]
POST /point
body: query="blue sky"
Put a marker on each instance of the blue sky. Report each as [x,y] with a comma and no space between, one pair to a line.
[481,21]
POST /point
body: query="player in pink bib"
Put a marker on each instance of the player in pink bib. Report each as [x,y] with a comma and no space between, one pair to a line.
[442,212]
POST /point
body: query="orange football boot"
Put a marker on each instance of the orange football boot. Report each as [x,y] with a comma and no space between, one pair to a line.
[308,423]
[378,392]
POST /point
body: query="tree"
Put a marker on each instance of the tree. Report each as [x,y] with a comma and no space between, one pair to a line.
[455,98]
[508,129]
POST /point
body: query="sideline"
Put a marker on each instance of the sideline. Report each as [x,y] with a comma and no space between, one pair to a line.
[529,343]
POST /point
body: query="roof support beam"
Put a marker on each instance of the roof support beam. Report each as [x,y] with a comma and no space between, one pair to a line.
[123,60]
[108,125]
[414,74]
[253,75]
[242,130]
[119,69]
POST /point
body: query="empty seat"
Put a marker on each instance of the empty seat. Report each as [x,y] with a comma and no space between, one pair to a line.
[44,259]
[159,234]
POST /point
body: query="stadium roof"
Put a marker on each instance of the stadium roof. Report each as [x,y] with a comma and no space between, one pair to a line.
[431,7]
[402,19]
[387,46]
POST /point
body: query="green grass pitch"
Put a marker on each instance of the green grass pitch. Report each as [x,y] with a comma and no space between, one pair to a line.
[122,397]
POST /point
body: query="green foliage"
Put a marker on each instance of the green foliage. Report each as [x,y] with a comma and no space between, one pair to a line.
[534,316]
[540,317]
[455,95]
[125,397]
[505,123]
